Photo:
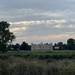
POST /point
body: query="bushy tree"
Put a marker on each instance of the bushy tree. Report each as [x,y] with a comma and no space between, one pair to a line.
[71,44]
[25,46]
[60,44]
[5,35]
[16,46]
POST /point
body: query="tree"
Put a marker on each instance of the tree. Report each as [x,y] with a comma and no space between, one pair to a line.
[17,46]
[60,44]
[71,44]
[5,35]
[64,46]
[25,46]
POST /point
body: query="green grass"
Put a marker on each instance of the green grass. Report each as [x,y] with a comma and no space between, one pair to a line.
[56,54]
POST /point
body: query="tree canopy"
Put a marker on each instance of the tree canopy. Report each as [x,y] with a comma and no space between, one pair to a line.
[25,46]
[71,44]
[5,35]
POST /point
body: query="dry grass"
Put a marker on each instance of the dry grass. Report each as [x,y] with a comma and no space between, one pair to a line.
[22,66]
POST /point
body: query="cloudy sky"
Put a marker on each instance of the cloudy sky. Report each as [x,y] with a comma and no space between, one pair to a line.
[35,21]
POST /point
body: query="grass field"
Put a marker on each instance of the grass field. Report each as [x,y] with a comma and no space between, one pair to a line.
[56,54]
[37,63]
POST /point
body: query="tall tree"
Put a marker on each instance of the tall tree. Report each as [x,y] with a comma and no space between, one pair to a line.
[5,35]
[71,44]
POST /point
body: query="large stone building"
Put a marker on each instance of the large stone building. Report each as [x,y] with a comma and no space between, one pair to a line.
[41,46]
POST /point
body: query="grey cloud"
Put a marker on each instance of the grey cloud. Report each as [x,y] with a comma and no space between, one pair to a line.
[37,4]
[44,30]
[38,10]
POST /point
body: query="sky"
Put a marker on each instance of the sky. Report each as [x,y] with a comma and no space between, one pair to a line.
[36,21]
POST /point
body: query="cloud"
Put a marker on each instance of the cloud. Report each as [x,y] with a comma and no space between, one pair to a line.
[32,14]
[37,4]
[58,26]
[18,29]
[52,37]
[49,23]
[47,38]
[38,22]
[71,26]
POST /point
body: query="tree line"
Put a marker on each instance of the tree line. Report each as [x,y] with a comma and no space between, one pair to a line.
[70,45]
[61,46]
[17,46]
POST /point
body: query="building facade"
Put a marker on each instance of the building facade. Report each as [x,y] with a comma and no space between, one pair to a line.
[41,46]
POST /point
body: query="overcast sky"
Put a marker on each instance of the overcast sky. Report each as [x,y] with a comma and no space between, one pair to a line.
[35,21]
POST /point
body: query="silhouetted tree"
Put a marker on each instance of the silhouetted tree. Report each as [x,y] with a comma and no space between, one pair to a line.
[56,47]
[65,47]
[71,44]
[60,44]
[24,46]
[5,35]
[17,46]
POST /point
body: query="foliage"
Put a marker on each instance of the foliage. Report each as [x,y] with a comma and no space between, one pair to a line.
[71,44]
[5,35]
[60,46]
[24,46]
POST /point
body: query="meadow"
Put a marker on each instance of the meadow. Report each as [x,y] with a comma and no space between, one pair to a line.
[56,54]
[37,63]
